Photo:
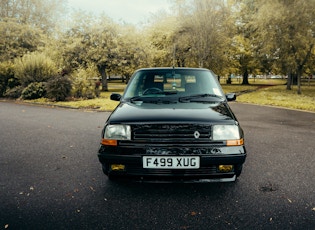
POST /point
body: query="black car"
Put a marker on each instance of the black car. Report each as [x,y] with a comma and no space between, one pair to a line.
[173,124]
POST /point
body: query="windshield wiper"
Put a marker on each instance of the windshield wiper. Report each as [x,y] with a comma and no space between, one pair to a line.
[136,98]
[205,97]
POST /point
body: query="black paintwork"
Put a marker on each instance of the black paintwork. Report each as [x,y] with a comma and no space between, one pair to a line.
[156,118]
[128,112]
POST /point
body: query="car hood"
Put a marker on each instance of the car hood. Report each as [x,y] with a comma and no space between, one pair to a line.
[127,112]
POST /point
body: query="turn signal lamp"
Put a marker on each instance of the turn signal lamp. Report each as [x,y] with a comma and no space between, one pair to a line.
[109,142]
[235,142]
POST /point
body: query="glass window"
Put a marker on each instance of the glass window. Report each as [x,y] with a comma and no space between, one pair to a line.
[177,81]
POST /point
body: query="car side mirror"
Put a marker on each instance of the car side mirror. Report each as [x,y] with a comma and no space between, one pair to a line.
[230,96]
[115,97]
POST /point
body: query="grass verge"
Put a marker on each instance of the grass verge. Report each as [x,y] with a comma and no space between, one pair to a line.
[279,96]
[262,92]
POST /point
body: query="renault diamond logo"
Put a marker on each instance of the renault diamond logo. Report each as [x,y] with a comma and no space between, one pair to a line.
[196,134]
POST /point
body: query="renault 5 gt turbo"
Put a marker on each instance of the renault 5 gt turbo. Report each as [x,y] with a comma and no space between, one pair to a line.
[173,125]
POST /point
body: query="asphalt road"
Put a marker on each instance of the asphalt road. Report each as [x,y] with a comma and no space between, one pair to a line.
[50,177]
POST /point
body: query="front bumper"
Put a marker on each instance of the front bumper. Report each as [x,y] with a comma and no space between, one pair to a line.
[210,159]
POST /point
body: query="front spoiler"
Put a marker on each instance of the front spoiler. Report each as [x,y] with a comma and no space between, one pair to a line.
[207,172]
[211,180]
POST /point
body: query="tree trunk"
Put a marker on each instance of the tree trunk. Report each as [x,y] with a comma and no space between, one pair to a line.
[299,84]
[299,75]
[101,70]
[245,78]
[289,81]
[301,67]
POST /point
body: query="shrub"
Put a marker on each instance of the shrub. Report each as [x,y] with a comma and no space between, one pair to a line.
[34,67]
[6,76]
[13,82]
[58,88]
[33,91]
[14,92]
[83,87]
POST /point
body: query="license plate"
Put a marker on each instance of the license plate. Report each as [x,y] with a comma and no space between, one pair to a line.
[171,162]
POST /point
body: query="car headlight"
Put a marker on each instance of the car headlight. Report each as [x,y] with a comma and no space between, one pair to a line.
[228,133]
[117,132]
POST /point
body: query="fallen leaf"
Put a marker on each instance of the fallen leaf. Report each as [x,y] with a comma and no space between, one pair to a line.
[289,200]
[313,209]
[69,194]
[92,188]
[193,213]
[32,188]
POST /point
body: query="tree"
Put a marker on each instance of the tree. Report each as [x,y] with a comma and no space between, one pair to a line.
[94,41]
[16,39]
[132,51]
[161,39]
[208,33]
[244,49]
[287,28]
[41,14]
[102,48]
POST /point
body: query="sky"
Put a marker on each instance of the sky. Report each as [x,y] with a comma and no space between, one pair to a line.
[129,11]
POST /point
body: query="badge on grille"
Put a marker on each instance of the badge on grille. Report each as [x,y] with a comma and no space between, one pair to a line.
[196,134]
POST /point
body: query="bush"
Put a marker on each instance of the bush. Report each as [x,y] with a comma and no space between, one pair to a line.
[58,88]
[13,82]
[82,86]
[33,91]
[15,92]
[6,76]
[83,89]
[34,67]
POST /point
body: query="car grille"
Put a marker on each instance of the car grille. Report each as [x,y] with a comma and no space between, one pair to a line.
[172,133]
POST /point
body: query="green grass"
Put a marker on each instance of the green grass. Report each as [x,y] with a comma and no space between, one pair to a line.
[279,96]
[262,92]
[102,103]
[252,81]
[273,92]
[239,88]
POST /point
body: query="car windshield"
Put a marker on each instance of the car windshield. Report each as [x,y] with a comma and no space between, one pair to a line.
[172,83]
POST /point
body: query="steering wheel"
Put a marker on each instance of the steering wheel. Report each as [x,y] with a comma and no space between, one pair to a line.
[153,90]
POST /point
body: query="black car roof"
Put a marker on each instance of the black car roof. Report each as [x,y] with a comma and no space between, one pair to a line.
[170,68]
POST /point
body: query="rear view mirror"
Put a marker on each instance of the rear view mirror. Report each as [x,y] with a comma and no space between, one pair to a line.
[230,96]
[115,97]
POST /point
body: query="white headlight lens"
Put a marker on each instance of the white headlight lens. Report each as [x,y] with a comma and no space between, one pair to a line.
[118,132]
[225,132]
